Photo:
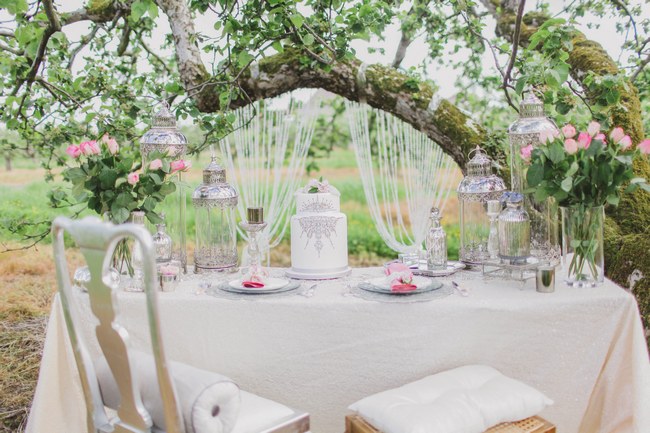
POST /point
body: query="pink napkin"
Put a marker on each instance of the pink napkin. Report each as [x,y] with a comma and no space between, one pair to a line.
[252,284]
[398,287]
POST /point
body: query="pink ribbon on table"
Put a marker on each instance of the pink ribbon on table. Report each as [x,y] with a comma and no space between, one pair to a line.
[398,287]
[252,284]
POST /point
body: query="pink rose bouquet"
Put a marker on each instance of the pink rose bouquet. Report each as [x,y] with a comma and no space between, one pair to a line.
[582,171]
[583,168]
[110,179]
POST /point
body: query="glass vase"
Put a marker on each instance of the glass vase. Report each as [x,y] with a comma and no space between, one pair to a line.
[582,245]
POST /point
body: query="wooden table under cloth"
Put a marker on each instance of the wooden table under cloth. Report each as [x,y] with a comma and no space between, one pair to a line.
[583,348]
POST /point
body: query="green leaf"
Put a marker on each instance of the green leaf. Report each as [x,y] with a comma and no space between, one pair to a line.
[167,188]
[567,184]
[149,204]
[75,174]
[535,174]
[308,39]
[119,214]
[613,200]
[156,178]
[556,153]
[297,20]
[107,178]
[14,7]
[244,58]
[138,9]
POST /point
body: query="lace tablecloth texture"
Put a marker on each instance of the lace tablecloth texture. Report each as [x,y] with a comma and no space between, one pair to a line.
[323,349]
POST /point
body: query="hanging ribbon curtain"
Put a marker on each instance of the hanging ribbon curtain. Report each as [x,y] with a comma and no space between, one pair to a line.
[267,154]
[406,160]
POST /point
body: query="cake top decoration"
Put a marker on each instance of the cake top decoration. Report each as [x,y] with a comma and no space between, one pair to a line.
[320,185]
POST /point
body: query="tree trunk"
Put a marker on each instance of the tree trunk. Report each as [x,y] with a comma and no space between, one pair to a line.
[7,163]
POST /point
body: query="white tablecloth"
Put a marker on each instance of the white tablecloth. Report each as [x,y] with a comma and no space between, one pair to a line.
[584,348]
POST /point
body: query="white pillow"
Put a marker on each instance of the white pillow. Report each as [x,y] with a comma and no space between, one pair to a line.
[208,402]
[468,399]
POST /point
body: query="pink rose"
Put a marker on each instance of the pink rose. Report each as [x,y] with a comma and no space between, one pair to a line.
[617,134]
[547,136]
[601,137]
[526,152]
[571,146]
[180,165]
[626,142]
[593,128]
[89,147]
[156,164]
[569,131]
[644,146]
[584,140]
[73,150]
[111,143]
[133,178]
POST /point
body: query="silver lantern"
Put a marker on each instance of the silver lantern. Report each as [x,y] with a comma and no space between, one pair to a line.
[216,233]
[475,190]
[544,219]
[164,136]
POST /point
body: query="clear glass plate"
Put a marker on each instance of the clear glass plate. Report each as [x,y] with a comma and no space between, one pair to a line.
[270,284]
[227,287]
[379,285]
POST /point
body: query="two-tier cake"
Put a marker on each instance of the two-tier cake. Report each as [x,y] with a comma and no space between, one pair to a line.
[319,234]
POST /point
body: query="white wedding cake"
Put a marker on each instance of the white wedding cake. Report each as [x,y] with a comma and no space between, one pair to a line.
[319,234]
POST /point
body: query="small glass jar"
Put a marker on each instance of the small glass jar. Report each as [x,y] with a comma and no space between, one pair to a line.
[514,231]
[162,244]
[436,243]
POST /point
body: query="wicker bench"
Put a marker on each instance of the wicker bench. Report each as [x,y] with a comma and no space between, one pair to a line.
[534,424]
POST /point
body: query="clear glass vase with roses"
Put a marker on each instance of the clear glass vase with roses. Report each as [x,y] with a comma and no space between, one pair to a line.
[584,172]
[110,180]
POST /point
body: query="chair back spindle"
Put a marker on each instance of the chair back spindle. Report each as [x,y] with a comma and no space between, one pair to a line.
[97,241]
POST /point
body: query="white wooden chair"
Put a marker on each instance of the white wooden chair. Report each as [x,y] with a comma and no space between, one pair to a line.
[96,241]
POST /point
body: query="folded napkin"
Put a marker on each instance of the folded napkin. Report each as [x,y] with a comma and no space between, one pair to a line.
[468,399]
[208,402]
[398,287]
[252,284]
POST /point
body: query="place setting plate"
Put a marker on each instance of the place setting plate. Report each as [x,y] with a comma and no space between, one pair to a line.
[271,286]
[381,285]
[452,268]
[378,289]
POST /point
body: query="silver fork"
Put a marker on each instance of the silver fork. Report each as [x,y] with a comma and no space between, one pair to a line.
[461,290]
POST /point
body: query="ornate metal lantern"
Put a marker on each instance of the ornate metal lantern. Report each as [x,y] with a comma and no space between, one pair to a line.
[544,219]
[216,233]
[164,136]
[474,191]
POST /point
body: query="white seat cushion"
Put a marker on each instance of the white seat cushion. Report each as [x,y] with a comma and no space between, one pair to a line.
[208,402]
[468,399]
[256,413]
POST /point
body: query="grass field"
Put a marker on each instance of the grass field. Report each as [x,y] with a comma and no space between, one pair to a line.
[27,281]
